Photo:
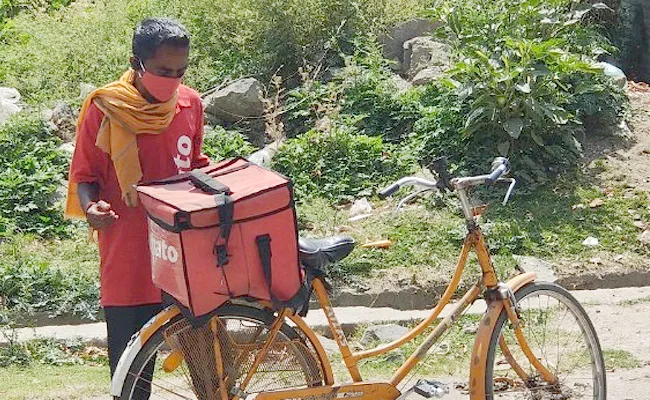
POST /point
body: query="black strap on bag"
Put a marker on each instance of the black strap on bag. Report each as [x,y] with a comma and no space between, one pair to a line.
[225,207]
[264,249]
[301,298]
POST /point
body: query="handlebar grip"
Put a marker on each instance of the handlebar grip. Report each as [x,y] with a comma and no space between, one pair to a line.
[388,191]
[496,174]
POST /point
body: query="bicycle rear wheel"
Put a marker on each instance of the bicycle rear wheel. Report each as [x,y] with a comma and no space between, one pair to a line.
[178,362]
[563,339]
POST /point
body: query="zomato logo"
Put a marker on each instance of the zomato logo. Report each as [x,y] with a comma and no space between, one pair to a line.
[163,251]
[183,159]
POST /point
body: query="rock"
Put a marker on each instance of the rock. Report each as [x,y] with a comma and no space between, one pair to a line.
[596,203]
[591,242]
[470,329]
[440,348]
[639,224]
[85,89]
[393,42]
[618,257]
[401,84]
[427,75]
[596,260]
[383,333]
[9,99]
[396,356]
[644,237]
[615,73]
[330,346]
[236,101]
[543,269]
[423,52]
[253,129]
[64,120]
[361,206]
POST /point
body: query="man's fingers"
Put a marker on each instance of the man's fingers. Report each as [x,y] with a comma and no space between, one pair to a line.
[103,206]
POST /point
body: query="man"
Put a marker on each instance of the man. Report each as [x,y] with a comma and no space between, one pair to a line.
[143,127]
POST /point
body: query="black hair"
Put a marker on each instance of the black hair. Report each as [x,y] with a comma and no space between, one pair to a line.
[151,33]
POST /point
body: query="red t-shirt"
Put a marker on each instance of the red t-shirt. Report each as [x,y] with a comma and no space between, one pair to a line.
[125,270]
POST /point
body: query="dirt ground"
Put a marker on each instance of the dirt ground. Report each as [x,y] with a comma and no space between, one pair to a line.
[627,158]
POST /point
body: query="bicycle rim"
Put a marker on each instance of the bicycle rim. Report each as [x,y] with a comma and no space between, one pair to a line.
[184,366]
[562,338]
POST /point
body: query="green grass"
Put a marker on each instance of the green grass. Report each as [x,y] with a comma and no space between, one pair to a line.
[46,55]
[449,357]
[633,302]
[620,359]
[43,382]
[73,254]
[56,276]
[542,223]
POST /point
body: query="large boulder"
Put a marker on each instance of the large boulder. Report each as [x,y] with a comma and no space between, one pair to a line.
[9,103]
[236,101]
[425,53]
[393,42]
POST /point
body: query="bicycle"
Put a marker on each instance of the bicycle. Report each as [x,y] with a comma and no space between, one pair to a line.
[247,350]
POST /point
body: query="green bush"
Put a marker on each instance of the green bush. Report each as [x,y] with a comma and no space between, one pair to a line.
[219,143]
[340,165]
[11,8]
[47,55]
[31,172]
[31,284]
[523,86]
[364,91]
[50,352]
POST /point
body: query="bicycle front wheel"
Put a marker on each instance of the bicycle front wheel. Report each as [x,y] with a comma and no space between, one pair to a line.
[560,335]
[178,361]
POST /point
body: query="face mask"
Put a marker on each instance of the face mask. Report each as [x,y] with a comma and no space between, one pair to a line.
[162,88]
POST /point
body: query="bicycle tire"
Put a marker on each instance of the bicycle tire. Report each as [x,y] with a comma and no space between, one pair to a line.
[506,384]
[292,350]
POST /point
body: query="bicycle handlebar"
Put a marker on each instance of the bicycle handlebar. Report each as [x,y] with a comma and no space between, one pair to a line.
[500,167]
[407,181]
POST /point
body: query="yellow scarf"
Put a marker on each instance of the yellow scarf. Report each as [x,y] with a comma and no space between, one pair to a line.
[126,114]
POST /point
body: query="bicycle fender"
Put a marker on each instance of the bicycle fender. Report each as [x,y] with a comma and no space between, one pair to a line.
[482,342]
[137,342]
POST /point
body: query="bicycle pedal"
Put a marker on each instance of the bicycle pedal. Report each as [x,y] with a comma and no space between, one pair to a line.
[429,388]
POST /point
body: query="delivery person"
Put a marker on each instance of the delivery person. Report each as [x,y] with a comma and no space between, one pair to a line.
[145,126]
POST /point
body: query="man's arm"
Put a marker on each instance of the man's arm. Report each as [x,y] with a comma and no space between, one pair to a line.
[98,212]
[87,165]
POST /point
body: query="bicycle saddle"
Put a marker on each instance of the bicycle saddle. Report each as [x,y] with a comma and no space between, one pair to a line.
[318,253]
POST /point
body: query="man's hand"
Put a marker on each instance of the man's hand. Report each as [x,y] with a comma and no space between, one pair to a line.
[100,215]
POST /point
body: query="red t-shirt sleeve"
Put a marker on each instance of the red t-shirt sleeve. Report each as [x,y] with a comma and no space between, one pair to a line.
[89,162]
[198,158]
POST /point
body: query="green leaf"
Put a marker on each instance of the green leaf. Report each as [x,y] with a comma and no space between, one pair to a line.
[514,127]
[525,88]
[503,148]
[537,138]
[601,6]
[474,116]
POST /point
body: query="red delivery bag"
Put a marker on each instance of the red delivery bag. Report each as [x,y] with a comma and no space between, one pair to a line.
[223,231]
